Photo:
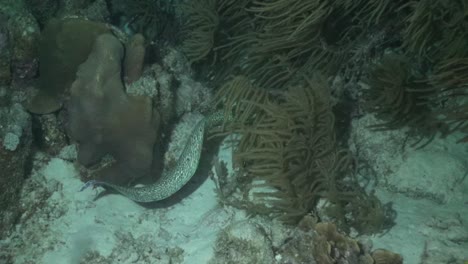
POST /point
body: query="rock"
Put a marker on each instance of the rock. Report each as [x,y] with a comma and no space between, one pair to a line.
[64,45]
[43,10]
[15,161]
[49,133]
[5,51]
[134,58]
[25,35]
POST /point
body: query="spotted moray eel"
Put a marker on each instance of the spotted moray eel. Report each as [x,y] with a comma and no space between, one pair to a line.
[175,178]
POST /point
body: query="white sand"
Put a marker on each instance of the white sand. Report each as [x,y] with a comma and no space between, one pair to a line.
[428,188]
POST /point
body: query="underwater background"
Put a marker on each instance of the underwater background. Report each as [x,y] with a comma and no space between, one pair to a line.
[234,131]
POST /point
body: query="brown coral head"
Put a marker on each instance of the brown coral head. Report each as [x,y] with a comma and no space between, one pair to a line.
[383,256]
[65,44]
[134,58]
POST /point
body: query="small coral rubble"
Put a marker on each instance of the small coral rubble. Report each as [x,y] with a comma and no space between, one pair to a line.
[322,243]
[15,153]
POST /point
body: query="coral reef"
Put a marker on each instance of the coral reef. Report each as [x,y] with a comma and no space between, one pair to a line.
[103,119]
[20,34]
[382,256]
[190,94]
[272,41]
[43,10]
[322,243]
[173,178]
[135,249]
[15,159]
[273,50]
[155,19]
[49,133]
[288,157]
[395,93]
[286,146]
[243,242]
[404,62]
[25,34]
[5,51]
[134,57]
[254,240]
[201,28]
[332,247]
[65,44]
[95,10]
[435,30]
[403,97]
[158,83]
[424,86]
[414,74]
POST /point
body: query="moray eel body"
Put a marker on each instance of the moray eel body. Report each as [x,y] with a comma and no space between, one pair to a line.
[174,179]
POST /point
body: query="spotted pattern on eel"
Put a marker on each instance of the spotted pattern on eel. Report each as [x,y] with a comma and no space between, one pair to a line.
[172,180]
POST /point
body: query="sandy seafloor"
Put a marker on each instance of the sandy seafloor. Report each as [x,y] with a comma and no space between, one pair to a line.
[428,188]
